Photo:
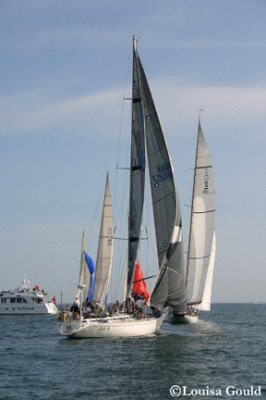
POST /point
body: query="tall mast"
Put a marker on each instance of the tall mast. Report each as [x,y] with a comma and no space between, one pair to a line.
[134,42]
[137,170]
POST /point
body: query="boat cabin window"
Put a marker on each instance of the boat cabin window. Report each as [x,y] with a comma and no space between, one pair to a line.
[21,300]
[37,300]
[13,300]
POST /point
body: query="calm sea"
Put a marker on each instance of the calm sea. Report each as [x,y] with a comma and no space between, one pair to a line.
[227,348]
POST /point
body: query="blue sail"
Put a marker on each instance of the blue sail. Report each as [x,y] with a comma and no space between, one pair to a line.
[91,267]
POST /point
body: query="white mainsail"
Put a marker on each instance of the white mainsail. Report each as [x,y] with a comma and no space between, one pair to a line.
[170,286]
[201,247]
[105,249]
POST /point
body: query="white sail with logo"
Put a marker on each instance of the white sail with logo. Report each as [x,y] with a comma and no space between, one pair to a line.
[202,244]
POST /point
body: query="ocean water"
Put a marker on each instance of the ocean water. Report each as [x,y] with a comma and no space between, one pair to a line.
[227,348]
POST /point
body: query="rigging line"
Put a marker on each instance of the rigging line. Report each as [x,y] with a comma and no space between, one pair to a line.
[145,278]
[164,197]
[158,150]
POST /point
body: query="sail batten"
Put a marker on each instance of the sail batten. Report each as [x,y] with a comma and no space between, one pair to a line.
[204,212]
[203,166]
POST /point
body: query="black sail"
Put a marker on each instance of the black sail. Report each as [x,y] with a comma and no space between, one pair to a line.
[170,288]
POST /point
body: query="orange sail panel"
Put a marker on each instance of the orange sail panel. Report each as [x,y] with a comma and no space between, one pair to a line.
[139,284]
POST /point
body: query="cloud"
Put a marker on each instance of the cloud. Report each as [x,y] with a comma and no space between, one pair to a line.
[33,111]
[204,44]
[175,100]
[32,39]
[179,102]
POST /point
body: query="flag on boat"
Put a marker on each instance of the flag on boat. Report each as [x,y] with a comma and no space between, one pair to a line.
[139,284]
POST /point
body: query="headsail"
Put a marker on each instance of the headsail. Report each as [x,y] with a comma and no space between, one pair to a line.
[137,172]
[205,304]
[139,284]
[84,276]
[105,249]
[170,286]
[91,267]
[201,247]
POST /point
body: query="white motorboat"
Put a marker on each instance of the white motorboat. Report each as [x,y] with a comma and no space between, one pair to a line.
[26,300]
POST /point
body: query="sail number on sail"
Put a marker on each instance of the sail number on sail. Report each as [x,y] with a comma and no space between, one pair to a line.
[163,172]
[206,181]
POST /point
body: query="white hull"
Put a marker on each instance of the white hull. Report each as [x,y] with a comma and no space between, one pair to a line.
[182,319]
[110,327]
[25,300]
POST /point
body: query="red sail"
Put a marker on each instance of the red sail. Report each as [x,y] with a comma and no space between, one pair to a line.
[139,284]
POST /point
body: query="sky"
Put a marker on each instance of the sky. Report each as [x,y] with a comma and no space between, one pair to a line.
[65,71]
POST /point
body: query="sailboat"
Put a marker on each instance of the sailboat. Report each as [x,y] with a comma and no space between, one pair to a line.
[147,141]
[202,240]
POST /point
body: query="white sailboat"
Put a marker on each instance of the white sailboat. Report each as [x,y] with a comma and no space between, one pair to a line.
[78,324]
[202,241]
[169,290]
